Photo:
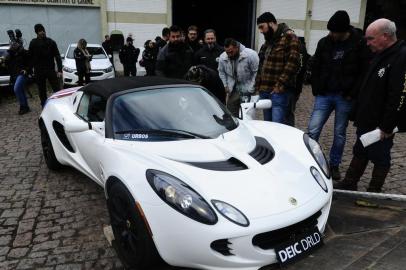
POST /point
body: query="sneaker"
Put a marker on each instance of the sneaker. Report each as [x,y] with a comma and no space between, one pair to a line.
[335,173]
[24,110]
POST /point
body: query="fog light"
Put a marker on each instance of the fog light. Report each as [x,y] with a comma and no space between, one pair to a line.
[319,178]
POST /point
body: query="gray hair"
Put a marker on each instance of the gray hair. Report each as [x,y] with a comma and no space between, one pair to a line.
[388,27]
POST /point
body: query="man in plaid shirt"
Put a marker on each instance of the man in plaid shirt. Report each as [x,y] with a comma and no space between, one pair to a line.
[278,66]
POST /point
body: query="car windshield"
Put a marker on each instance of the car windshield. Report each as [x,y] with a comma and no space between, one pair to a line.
[96,52]
[173,113]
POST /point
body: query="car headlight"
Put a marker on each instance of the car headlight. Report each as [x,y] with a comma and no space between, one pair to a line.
[69,70]
[109,69]
[319,178]
[231,213]
[317,154]
[181,197]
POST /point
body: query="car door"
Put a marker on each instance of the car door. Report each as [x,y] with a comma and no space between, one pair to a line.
[90,143]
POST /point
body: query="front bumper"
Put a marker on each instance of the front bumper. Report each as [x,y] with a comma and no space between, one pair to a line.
[95,75]
[184,242]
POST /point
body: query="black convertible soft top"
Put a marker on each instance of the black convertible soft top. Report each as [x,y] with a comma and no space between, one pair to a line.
[106,88]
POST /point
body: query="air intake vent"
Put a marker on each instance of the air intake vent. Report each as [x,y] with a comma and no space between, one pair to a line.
[231,164]
[221,246]
[263,151]
[269,240]
[60,132]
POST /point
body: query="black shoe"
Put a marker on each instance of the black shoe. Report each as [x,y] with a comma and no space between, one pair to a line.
[24,110]
[335,173]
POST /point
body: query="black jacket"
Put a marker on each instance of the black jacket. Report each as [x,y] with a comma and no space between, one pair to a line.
[354,61]
[208,57]
[212,82]
[44,53]
[108,46]
[80,60]
[129,55]
[149,56]
[379,102]
[174,61]
[194,45]
[16,62]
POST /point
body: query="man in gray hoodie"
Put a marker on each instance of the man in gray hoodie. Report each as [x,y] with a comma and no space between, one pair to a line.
[238,67]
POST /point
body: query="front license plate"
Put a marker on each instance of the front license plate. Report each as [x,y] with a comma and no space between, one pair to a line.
[300,247]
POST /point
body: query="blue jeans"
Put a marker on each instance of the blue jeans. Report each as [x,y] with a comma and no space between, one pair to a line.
[323,107]
[280,106]
[19,90]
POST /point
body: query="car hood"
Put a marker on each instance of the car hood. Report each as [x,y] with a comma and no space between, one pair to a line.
[258,191]
[94,64]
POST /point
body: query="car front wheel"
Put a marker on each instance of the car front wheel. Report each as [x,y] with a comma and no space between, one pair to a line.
[48,151]
[133,242]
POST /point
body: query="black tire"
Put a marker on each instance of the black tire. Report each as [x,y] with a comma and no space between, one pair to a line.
[48,150]
[133,243]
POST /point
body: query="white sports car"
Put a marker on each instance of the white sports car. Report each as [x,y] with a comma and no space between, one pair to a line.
[186,181]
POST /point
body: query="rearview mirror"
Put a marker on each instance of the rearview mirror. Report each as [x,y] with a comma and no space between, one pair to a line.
[76,125]
[62,55]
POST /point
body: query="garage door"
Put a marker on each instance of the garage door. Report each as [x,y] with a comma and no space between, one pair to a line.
[63,24]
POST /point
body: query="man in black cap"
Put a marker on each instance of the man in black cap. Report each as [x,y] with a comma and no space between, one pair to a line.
[337,65]
[128,57]
[44,52]
[278,66]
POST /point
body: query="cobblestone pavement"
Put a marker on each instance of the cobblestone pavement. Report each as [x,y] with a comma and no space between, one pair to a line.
[55,221]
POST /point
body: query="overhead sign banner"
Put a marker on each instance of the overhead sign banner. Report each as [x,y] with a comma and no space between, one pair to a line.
[72,3]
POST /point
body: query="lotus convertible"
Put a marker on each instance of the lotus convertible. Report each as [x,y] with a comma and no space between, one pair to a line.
[184,180]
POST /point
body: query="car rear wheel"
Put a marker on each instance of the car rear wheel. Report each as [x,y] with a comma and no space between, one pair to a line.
[133,242]
[48,150]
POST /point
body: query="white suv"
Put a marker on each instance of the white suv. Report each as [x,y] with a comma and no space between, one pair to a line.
[101,67]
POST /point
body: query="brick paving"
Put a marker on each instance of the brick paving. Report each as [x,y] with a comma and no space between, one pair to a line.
[54,221]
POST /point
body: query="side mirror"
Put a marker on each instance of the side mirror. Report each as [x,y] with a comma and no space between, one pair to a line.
[76,125]
[110,56]
[62,56]
[263,104]
[247,110]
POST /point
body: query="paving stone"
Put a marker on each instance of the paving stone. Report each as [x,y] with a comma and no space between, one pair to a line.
[46,245]
[17,252]
[23,239]
[8,213]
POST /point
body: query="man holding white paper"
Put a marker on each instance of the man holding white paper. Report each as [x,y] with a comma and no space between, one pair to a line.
[378,105]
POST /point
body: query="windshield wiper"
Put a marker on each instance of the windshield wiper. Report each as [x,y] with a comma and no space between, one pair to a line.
[167,131]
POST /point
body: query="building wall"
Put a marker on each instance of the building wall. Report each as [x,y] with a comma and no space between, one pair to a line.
[63,23]
[143,18]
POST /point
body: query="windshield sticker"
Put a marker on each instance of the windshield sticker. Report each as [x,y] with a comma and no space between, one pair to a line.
[135,136]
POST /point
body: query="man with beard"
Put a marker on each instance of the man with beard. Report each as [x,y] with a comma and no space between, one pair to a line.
[337,65]
[279,62]
[44,52]
[193,38]
[209,54]
[237,69]
[175,58]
